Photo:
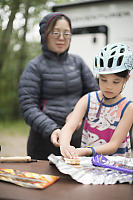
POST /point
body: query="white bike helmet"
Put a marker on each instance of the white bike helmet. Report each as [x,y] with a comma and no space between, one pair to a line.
[113,58]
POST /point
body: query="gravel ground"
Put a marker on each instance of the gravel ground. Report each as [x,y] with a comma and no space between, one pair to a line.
[13,145]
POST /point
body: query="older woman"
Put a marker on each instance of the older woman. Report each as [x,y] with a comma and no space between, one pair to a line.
[51,85]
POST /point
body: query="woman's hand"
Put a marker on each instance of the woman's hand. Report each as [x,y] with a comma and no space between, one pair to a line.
[55,137]
[68,151]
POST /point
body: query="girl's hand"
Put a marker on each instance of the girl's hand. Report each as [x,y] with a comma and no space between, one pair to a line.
[69,116]
[83,151]
[55,137]
[68,151]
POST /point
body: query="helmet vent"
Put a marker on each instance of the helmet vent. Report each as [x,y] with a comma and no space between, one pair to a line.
[113,47]
[122,50]
[113,53]
[101,62]
[95,62]
[119,61]
[110,62]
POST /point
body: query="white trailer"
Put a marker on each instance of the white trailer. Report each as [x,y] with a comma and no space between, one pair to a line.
[96,23]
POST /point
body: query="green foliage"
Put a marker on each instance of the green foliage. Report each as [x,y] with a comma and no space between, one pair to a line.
[8,91]
[9,82]
[17,127]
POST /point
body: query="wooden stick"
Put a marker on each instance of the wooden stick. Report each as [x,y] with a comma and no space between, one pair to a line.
[16,159]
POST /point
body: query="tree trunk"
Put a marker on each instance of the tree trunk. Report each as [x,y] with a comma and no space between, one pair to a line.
[21,59]
[6,34]
[23,52]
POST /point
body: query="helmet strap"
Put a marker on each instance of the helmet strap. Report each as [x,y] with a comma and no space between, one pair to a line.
[99,109]
[106,98]
[100,106]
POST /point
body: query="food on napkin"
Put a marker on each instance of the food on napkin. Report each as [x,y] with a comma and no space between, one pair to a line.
[72,161]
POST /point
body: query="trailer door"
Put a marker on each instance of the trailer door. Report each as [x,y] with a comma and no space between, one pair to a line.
[87,41]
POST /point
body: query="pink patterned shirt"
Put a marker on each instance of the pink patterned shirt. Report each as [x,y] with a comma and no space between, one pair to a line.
[99,130]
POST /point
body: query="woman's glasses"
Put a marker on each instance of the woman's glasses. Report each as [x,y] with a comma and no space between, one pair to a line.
[56,35]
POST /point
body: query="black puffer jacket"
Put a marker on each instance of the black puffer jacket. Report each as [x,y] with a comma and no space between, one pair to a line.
[49,88]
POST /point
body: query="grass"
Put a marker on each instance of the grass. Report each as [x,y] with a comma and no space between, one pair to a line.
[14,128]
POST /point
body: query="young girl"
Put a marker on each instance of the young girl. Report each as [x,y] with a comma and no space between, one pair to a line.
[108,114]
